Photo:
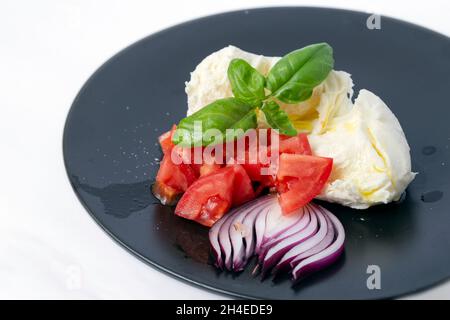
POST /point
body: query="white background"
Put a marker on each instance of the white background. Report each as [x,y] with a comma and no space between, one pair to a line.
[49,246]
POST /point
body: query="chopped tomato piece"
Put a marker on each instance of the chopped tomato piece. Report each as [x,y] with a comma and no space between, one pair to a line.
[254,172]
[297,145]
[300,178]
[189,173]
[167,195]
[208,168]
[165,140]
[193,157]
[208,198]
[172,180]
[211,189]
[242,186]
[213,210]
[178,177]
[196,168]
[255,166]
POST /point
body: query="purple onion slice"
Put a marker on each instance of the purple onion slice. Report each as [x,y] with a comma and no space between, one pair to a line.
[307,244]
[325,257]
[214,241]
[225,242]
[249,223]
[297,227]
[322,245]
[277,223]
[275,253]
[309,240]
[260,224]
[238,231]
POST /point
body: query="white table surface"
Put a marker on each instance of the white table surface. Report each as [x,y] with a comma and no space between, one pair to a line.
[49,245]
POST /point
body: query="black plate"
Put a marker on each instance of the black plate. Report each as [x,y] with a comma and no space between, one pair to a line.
[111,151]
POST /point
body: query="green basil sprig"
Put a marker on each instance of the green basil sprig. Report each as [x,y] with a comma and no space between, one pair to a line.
[229,113]
[247,83]
[291,80]
[277,118]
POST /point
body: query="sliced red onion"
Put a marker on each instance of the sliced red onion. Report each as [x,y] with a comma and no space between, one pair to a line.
[260,224]
[225,242]
[275,253]
[322,245]
[228,234]
[325,257]
[278,223]
[307,244]
[249,223]
[309,240]
[238,232]
[214,241]
[297,227]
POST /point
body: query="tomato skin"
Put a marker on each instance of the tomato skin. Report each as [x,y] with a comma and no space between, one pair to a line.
[206,169]
[300,178]
[254,167]
[296,145]
[172,180]
[165,194]
[196,168]
[213,210]
[210,190]
[253,171]
[242,186]
[212,195]
[178,177]
[165,140]
[208,198]
[189,174]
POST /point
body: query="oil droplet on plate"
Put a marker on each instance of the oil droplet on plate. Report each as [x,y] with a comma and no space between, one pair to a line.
[428,150]
[361,218]
[432,196]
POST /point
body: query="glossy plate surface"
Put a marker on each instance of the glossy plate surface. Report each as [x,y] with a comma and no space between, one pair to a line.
[111,150]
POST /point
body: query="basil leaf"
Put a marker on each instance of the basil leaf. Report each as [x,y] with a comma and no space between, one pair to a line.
[293,78]
[247,83]
[215,119]
[277,118]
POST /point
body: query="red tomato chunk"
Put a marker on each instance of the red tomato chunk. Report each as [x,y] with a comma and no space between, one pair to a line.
[209,190]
